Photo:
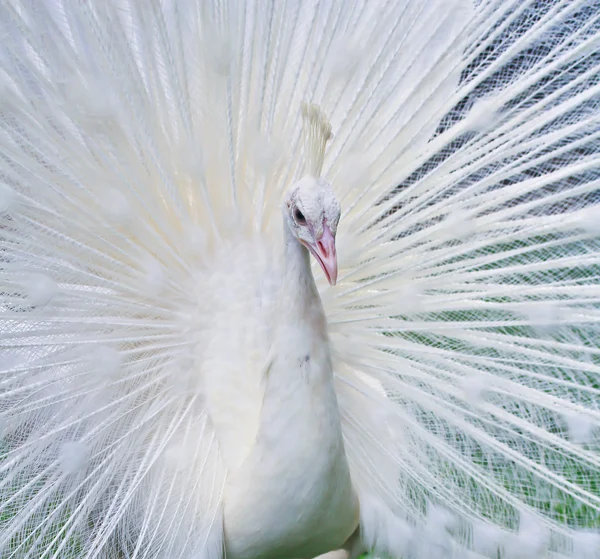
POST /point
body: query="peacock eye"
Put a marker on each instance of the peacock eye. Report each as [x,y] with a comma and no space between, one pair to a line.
[299,217]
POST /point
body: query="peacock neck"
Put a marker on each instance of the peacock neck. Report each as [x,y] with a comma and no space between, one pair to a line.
[298,278]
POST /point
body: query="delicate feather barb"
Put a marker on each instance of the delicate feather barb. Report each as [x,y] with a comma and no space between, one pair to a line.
[317,132]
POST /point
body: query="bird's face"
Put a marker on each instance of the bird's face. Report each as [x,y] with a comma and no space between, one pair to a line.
[313,213]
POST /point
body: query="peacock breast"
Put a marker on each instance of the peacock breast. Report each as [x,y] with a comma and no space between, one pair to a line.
[296,480]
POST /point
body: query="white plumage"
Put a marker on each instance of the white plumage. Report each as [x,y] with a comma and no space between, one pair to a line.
[174,383]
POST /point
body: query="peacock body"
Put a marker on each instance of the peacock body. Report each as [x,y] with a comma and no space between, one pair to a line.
[180,378]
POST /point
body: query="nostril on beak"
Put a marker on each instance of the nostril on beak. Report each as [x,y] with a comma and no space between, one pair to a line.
[322,248]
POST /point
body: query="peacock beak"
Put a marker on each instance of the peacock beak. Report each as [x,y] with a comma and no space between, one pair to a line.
[324,251]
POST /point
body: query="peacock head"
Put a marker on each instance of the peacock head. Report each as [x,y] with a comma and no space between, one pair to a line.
[311,208]
[313,212]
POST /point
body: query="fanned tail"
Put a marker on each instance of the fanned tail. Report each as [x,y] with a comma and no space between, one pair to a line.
[137,137]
